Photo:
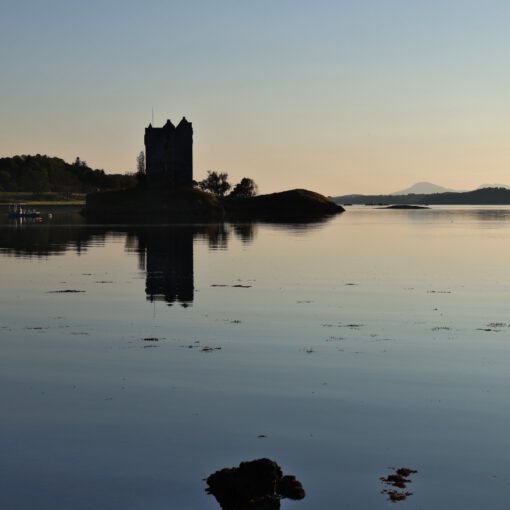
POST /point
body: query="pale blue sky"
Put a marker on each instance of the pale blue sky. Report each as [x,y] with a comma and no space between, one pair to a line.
[335,96]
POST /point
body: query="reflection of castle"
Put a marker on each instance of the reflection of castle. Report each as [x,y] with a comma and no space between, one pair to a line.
[169,154]
[165,252]
[168,260]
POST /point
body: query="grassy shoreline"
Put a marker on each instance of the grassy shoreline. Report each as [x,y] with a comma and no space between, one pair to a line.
[41,199]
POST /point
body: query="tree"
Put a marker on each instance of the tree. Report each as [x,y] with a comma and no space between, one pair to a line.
[141,171]
[140,163]
[43,173]
[6,182]
[79,162]
[244,189]
[215,183]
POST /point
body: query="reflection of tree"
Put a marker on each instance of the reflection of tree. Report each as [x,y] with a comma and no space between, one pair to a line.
[245,231]
[165,252]
[26,239]
[217,236]
[51,238]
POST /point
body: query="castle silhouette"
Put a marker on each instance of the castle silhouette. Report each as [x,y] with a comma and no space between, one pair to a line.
[169,154]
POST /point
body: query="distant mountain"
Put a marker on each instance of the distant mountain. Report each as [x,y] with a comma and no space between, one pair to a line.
[423,188]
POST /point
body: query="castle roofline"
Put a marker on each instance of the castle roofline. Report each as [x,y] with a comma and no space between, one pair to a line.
[184,125]
[168,126]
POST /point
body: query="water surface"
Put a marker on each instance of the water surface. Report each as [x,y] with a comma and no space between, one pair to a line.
[137,360]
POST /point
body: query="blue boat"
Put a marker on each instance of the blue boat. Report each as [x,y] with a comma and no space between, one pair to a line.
[20,211]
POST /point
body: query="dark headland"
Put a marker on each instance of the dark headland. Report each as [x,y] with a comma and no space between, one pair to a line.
[168,192]
[482,196]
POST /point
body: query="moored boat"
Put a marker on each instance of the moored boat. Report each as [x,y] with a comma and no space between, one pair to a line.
[20,211]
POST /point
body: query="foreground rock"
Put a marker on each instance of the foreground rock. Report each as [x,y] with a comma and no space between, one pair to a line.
[255,485]
[142,204]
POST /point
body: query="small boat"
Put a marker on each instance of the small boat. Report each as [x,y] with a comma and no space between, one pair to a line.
[20,211]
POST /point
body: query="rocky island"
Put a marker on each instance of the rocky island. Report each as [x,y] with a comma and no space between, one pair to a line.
[142,204]
[168,192]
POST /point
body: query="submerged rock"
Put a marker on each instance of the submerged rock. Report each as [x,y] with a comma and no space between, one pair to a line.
[254,485]
[405,206]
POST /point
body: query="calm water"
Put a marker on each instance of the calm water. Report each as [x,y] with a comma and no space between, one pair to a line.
[378,338]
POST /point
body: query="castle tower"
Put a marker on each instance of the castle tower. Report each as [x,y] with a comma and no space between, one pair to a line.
[169,154]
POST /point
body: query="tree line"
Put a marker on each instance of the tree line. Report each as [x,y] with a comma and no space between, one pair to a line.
[41,173]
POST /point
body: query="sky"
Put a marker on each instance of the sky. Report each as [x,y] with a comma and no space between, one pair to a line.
[359,96]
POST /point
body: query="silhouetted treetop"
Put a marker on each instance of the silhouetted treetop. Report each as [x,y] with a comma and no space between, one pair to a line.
[215,182]
[244,189]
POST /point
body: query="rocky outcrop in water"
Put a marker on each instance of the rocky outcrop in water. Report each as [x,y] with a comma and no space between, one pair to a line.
[292,204]
[254,485]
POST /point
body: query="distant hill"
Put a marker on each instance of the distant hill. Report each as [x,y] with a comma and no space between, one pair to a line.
[423,188]
[44,173]
[485,196]
[483,186]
